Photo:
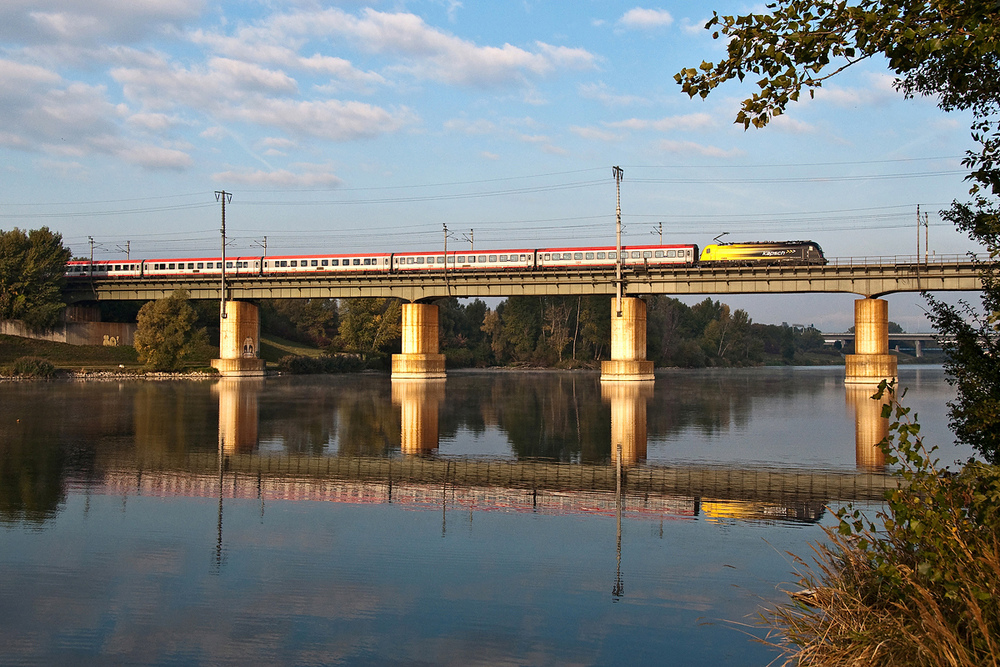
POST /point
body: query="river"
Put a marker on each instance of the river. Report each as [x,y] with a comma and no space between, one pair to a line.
[522,518]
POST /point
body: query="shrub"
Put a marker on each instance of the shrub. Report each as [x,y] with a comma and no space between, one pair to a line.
[919,585]
[34,367]
[301,365]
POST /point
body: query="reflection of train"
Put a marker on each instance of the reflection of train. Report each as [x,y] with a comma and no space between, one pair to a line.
[521,259]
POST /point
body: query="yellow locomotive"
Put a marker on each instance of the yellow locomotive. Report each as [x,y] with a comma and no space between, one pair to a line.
[765,252]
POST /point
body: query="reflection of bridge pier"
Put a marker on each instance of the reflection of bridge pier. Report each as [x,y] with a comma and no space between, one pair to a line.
[870,427]
[239,413]
[628,418]
[419,401]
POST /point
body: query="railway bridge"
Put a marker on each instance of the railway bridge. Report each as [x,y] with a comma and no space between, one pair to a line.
[868,277]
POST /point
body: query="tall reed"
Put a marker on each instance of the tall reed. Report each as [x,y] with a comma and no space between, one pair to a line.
[916,585]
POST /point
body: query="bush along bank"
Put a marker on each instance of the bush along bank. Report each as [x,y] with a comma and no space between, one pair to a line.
[916,585]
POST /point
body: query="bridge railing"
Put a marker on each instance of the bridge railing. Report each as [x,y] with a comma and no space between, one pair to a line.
[899,260]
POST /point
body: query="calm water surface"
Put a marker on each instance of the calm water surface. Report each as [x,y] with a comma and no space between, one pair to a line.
[347,520]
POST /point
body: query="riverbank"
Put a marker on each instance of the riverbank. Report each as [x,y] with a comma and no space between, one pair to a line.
[96,361]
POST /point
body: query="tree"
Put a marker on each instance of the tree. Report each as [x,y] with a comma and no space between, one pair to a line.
[371,325]
[32,273]
[165,336]
[949,49]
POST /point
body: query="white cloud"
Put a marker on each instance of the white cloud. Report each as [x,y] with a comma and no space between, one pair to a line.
[77,23]
[595,134]
[693,121]
[278,142]
[646,19]
[152,122]
[601,93]
[466,126]
[692,148]
[879,92]
[431,53]
[280,178]
[155,157]
[329,119]
[271,47]
[489,156]
[787,124]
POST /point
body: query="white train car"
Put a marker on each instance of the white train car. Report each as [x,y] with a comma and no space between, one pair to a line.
[332,263]
[489,260]
[603,257]
[200,266]
[104,269]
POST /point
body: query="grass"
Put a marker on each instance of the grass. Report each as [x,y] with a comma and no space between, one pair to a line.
[273,348]
[65,356]
[100,358]
[917,586]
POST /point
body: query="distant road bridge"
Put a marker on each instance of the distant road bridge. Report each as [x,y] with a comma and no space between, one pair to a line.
[870,277]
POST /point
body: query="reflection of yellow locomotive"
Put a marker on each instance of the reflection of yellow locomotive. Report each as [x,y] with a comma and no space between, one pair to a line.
[751,254]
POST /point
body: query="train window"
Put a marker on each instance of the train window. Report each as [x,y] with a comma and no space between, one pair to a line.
[440,259]
[451,260]
[314,262]
[524,258]
[646,254]
[335,262]
[546,256]
[201,265]
[118,267]
[503,258]
[636,254]
[409,260]
[589,255]
[482,258]
[493,258]
[659,253]
[461,259]
[420,260]
[368,261]
[295,262]
[472,259]
[612,255]
[190,265]
[324,262]
[577,255]
[229,265]
[356,262]
[671,253]
[171,265]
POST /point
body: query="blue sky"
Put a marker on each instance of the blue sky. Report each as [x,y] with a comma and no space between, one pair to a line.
[370,126]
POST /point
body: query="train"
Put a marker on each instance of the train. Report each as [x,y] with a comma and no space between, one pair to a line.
[634,257]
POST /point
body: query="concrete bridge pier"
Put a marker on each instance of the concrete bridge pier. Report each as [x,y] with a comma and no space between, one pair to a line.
[871,361]
[420,359]
[628,343]
[239,341]
[628,418]
[419,402]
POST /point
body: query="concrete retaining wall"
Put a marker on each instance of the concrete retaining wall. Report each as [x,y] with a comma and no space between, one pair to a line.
[76,333]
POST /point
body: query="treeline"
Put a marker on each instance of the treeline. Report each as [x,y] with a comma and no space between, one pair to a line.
[547,331]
